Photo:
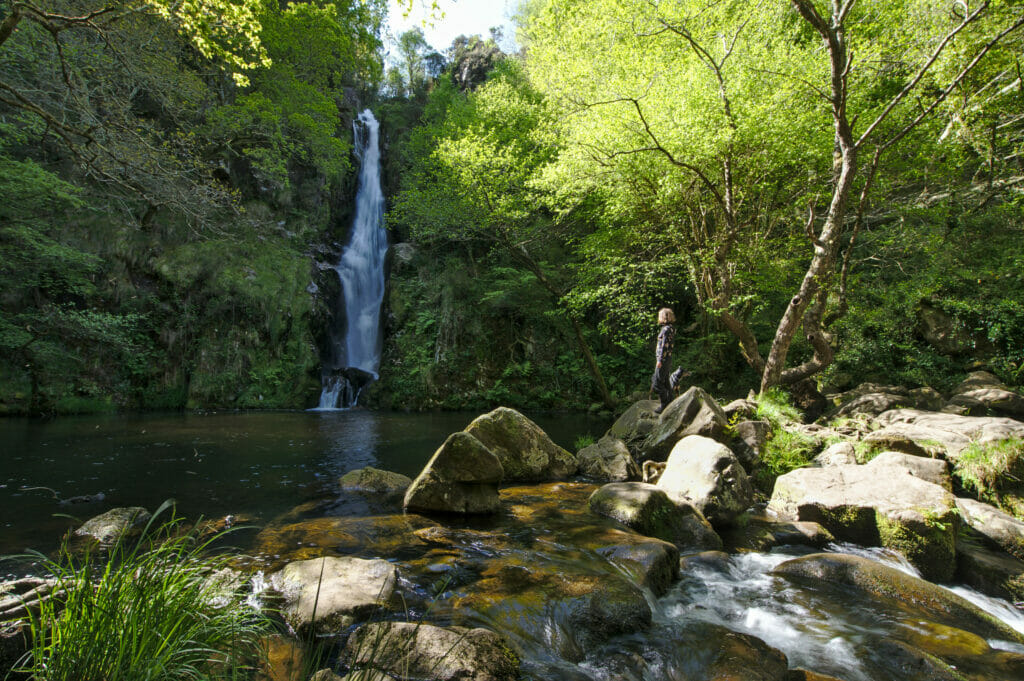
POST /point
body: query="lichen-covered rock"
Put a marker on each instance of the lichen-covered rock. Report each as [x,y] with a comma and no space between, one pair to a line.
[525,451]
[999,401]
[881,506]
[935,471]
[647,509]
[108,527]
[325,595]
[875,579]
[707,474]
[607,460]
[420,650]
[1002,529]
[693,413]
[371,480]
[461,477]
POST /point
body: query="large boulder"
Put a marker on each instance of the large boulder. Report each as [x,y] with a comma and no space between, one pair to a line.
[635,424]
[877,580]
[648,510]
[420,650]
[693,413]
[607,460]
[762,533]
[525,451]
[935,471]
[1001,529]
[707,474]
[371,480]
[325,595]
[461,477]
[749,438]
[651,563]
[999,401]
[873,399]
[876,506]
[109,527]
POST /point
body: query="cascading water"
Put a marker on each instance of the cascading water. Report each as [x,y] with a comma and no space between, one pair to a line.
[354,354]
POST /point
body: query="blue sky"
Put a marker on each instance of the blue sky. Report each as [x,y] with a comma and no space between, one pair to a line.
[461,17]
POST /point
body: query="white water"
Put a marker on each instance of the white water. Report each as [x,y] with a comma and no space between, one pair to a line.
[361,271]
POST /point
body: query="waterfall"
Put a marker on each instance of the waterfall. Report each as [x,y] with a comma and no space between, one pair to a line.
[354,356]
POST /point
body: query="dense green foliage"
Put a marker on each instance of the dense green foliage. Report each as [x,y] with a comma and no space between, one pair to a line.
[156,239]
[169,192]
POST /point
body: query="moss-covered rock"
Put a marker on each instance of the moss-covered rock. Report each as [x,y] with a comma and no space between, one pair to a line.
[525,451]
[371,480]
[461,477]
[648,510]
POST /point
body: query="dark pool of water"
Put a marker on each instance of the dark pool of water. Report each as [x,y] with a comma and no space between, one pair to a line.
[257,464]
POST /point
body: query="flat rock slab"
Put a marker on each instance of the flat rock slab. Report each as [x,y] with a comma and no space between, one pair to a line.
[705,473]
[525,451]
[878,580]
[461,477]
[876,506]
[935,471]
[325,595]
[419,650]
[1000,528]
[952,433]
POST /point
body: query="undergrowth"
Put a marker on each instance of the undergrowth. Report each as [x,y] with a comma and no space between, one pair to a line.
[785,449]
[159,607]
[985,468]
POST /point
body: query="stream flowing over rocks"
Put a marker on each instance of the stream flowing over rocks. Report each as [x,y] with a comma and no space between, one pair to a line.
[508,557]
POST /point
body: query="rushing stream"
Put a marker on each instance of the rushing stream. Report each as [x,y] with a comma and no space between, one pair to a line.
[545,572]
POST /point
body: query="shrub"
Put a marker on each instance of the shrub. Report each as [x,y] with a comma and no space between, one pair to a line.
[984,468]
[785,449]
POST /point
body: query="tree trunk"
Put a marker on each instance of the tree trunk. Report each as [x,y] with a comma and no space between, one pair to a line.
[9,23]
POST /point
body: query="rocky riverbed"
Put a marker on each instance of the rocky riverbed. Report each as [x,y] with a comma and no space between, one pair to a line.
[653,554]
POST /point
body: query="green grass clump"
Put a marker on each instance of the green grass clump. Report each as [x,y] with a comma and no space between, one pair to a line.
[986,468]
[155,608]
[785,449]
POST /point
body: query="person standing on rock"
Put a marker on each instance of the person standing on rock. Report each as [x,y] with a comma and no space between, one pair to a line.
[665,380]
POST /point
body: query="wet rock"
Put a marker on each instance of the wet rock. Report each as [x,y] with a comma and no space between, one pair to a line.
[761,533]
[461,477]
[859,504]
[988,570]
[371,480]
[607,460]
[420,650]
[881,581]
[561,612]
[324,595]
[525,451]
[370,535]
[652,563]
[904,661]
[935,471]
[724,654]
[837,454]
[707,474]
[13,644]
[635,424]
[693,413]
[1002,529]
[749,439]
[116,523]
[648,509]
[799,674]
[715,560]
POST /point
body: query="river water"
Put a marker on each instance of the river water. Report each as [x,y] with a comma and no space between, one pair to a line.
[253,465]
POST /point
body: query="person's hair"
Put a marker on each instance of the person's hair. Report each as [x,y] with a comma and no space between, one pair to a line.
[665,316]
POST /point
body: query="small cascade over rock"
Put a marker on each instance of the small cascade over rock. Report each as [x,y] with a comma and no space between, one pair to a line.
[353,356]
